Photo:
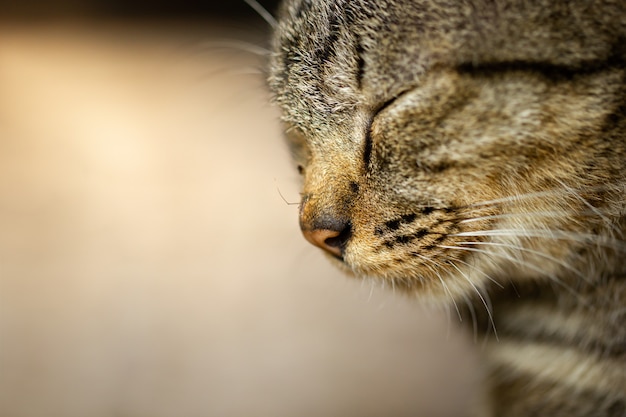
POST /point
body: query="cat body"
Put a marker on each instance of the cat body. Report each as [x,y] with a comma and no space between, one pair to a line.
[473,153]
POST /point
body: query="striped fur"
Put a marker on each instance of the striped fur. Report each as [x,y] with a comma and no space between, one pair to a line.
[473,153]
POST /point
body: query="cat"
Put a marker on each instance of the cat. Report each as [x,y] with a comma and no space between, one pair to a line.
[473,153]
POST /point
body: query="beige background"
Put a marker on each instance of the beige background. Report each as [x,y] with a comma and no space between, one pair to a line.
[149,266]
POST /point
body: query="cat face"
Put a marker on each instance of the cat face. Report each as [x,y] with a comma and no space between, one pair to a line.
[428,162]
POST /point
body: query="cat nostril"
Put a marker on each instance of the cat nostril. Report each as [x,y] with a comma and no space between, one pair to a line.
[331,240]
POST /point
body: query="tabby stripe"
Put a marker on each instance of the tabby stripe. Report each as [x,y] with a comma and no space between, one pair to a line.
[367,147]
[551,71]
[560,365]
[360,64]
[544,324]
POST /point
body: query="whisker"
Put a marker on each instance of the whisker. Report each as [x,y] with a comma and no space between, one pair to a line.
[283,197]
[512,198]
[449,322]
[595,210]
[534,252]
[558,214]
[481,272]
[429,265]
[447,290]
[247,71]
[231,72]
[519,262]
[233,45]
[237,98]
[539,194]
[472,311]
[262,11]
[600,240]
[487,307]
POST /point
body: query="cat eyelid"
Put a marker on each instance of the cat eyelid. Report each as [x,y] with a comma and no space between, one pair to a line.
[383,106]
[367,149]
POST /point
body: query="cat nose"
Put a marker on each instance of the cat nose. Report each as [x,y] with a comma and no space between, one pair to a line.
[328,234]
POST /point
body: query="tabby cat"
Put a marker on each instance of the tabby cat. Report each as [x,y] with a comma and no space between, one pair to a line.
[473,153]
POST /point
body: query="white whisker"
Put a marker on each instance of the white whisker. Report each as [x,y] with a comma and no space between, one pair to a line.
[534,252]
[235,45]
[487,307]
[247,71]
[447,290]
[557,214]
[472,312]
[481,272]
[540,194]
[429,264]
[262,11]
[514,198]
[580,198]
[239,73]
[549,234]
[519,262]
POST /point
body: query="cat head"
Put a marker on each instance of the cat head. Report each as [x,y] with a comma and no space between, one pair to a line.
[439,140]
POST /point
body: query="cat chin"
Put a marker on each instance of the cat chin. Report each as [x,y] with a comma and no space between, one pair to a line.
[411,282]
[341,264]
[445,287]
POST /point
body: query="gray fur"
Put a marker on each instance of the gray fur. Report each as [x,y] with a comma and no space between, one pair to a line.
[477,151]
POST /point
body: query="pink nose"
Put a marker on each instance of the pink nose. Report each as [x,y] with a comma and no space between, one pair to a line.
[326,229]
[329,240]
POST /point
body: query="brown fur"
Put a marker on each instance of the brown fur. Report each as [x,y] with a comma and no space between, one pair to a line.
[475,153]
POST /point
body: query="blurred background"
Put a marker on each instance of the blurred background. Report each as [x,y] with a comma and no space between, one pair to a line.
[150,259]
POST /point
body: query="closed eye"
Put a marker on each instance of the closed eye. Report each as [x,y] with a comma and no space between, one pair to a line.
[367,147]
[367,150]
